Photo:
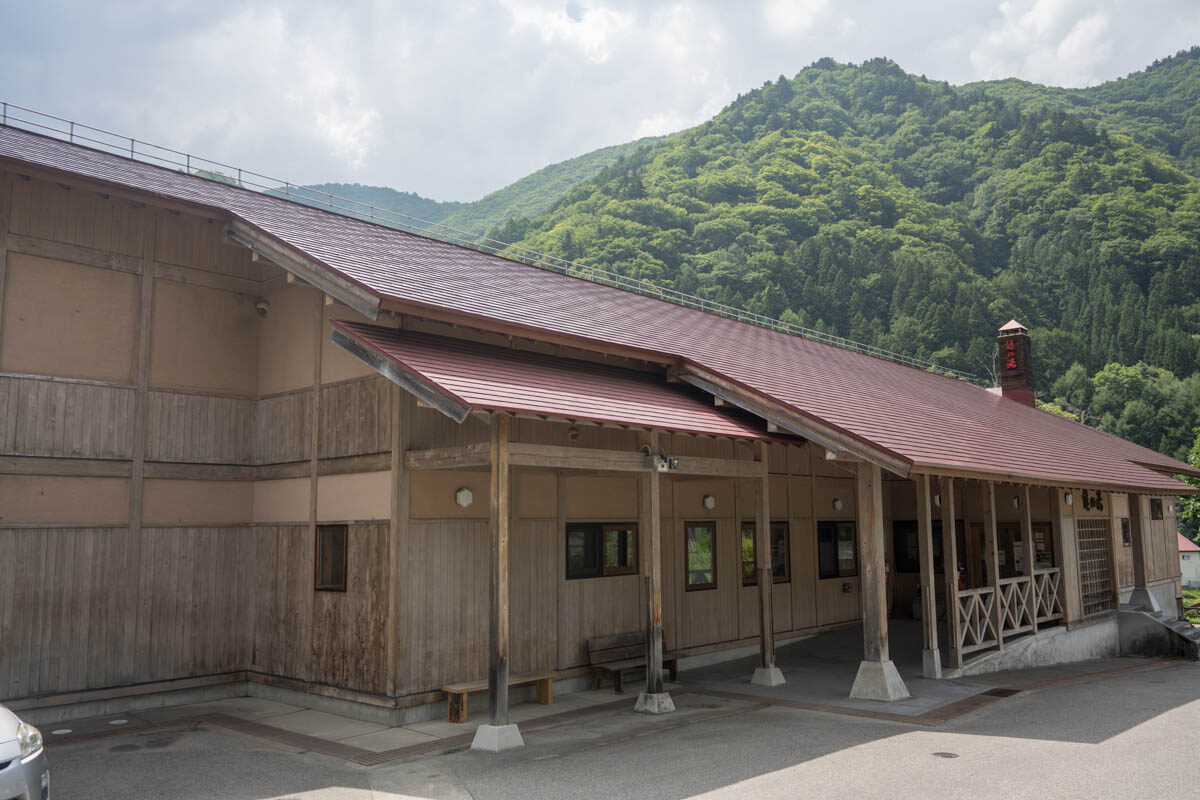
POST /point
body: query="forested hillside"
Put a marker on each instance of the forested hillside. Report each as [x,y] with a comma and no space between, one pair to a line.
[531,196]
[407,203]
[919,216]
[537,193]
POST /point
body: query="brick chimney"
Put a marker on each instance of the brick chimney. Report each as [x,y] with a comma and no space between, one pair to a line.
[1016,363]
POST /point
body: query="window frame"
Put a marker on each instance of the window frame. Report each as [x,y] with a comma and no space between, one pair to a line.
[597,531]
[1156,502]
[752,578]
[319,546]
[853,525]
[688,527]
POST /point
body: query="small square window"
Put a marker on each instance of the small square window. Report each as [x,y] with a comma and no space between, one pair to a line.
[837,549]
[1156,508]
[700,554]
[331,558]
[781,570]
[596,549]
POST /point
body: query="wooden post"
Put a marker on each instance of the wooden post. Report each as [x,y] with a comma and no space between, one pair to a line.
[655,700]
[931,658]
[498,620]
[950,568]
[1068,549]
[1140,597]
[988,498]
[877,677]
[1029,556]
[767,674]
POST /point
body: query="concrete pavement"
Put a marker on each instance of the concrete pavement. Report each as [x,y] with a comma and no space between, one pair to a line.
[1117,735]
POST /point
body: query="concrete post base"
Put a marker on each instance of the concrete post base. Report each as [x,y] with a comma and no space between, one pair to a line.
[495,738]
[656,703]
[931,662]
[878,680]
[1145,600]
[768,676]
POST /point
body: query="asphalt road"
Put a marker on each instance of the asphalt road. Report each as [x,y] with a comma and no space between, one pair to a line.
[1130,736]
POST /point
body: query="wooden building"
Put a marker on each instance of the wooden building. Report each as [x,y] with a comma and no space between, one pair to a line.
[246,442]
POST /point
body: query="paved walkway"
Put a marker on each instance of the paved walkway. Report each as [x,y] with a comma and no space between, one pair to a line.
[1100,729]
[819,672]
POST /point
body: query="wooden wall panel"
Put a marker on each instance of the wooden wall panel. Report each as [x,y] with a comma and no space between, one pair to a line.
[444,598]
[355,418]
[80,620]
[708,616]
[189,241]
[200,429]
[804,573]
[281,603]
[204,339]
[589,607]
[348,646]
[434,429]
[62,419]
[77,216]
[533,607]
[283,428]
[68,320]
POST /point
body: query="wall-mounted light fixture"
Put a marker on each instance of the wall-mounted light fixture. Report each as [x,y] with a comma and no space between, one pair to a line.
[1068,498]
[1016,501]
[710,502]
[937,500]
[837,504]
[464,497]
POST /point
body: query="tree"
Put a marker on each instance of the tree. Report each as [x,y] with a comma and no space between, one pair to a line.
[1189,507]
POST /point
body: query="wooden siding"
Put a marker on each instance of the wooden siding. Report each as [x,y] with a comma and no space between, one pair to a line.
[81,620]
[40,417]
[355,417]
[283,428]
[199,428]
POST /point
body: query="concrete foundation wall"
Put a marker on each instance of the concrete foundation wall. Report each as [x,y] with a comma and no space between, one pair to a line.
[1061,645]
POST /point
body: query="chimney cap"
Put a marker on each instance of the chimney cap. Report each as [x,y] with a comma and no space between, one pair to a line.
[1012,326]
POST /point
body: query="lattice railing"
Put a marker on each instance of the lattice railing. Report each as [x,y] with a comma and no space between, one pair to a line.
[976,623]
[1046,594]
[1016,605]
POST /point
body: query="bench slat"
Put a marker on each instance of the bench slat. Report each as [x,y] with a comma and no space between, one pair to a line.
[472,687]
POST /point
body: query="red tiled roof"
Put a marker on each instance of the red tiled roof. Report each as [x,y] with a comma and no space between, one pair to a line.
[1186,545]
[915,417]
[500,379]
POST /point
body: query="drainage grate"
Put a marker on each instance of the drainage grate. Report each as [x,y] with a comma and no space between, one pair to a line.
[945,755]
[1001,691]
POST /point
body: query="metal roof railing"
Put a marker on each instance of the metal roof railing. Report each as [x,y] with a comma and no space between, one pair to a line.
[129,147]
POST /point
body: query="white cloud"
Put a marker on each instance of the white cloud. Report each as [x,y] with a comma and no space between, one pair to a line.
[455,99]
[794,17]
[1060,42]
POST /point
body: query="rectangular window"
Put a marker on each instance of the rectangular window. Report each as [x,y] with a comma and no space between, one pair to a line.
[1156,508]
[781,570]
[700,554]
[597,549]
[837,549]
[906,547]
[1125,537]
[331,558]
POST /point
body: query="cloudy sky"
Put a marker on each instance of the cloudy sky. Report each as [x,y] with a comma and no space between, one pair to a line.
[453,99]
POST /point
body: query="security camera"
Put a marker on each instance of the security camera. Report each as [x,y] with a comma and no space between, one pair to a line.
[262,307]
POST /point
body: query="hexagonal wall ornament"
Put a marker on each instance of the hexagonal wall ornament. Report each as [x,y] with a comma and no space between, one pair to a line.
[464,497]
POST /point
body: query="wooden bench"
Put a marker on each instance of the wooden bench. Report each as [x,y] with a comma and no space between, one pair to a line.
[457,693]
[611,656]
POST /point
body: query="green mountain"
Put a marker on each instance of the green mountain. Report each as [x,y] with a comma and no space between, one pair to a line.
[537,193]
[531,196]
[406,203]
[919,216]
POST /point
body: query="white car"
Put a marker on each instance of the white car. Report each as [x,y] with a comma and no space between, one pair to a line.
[23,771]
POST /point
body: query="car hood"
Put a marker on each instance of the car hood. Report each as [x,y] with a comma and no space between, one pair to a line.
[8,727]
